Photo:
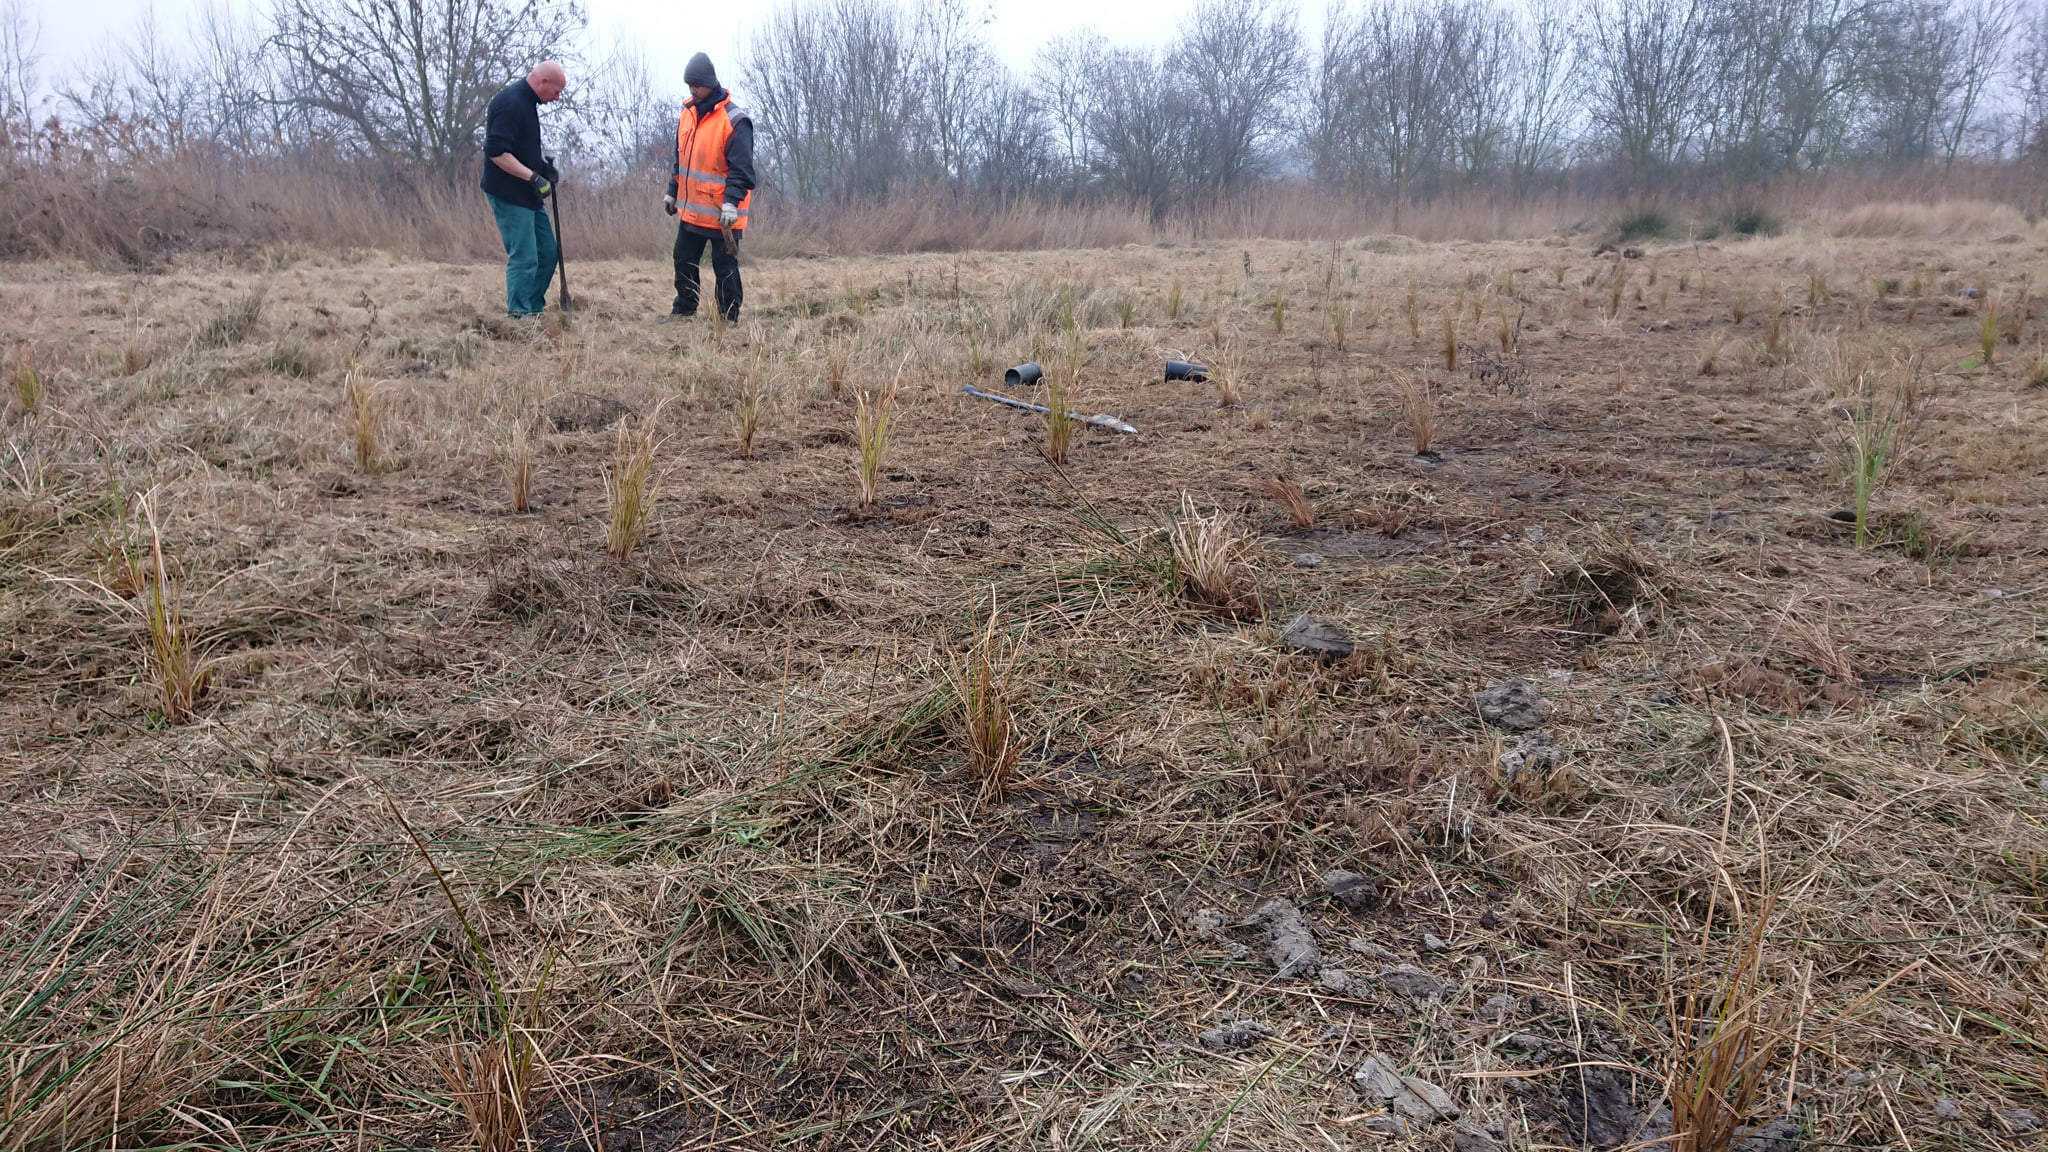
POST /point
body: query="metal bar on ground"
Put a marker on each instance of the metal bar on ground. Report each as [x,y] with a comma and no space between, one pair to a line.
[1099,420]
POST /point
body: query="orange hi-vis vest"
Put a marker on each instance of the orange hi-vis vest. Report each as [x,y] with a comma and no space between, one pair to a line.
[700,164]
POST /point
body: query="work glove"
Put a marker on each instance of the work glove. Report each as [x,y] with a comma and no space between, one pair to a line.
[728,215]
[668,205]
[542,186]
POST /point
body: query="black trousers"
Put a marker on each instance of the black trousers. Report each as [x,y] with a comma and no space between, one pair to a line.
[725,267]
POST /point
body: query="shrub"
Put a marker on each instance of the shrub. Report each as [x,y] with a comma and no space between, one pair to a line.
[1742,217]
[1649,222]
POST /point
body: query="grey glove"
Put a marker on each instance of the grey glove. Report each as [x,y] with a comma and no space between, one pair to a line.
[541,186]
[668,205]
[728,215]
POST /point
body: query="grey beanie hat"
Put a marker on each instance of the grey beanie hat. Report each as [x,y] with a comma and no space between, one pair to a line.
[700,73]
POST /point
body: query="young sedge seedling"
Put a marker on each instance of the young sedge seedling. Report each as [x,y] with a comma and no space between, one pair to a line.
[871,428]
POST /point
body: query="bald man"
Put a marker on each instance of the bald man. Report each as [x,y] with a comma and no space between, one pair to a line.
[517,181]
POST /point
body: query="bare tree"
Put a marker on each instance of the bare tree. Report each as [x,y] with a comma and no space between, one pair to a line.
[1010,141]
[1481,37]
[1824,78]
[1752,41]
[1238,61]
[1546,92]
[1650,59]
[1986,41]
[619,119]
[1060,75]
[833,83]
[1139,127]
[240,107]
[1388,82]
[409,79]
[955,71]
[2031,69]
[20,76]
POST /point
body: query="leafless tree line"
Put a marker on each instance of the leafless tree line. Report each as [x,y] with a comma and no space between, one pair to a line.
[1400,98]
[397,87]
[863,100]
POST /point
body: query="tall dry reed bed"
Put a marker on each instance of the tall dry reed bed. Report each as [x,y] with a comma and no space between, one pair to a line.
[779,830]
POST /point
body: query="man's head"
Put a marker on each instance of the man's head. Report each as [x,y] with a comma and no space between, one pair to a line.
[547,81]
[700,76]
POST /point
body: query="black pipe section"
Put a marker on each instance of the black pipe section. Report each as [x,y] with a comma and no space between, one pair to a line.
[1182,370]
[1023,374]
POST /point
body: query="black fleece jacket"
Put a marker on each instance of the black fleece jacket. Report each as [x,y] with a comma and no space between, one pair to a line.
[512,124]
[739,152]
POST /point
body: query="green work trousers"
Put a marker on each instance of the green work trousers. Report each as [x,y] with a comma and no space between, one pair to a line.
[529,255]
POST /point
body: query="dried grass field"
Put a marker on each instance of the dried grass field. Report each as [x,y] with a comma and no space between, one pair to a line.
[345,806]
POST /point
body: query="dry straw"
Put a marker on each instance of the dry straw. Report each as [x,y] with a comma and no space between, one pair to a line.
[134,350]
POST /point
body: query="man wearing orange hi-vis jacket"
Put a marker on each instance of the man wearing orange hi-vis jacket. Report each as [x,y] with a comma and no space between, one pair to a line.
[712,191]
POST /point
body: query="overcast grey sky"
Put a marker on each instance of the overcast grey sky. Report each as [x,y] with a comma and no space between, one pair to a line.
[667,31]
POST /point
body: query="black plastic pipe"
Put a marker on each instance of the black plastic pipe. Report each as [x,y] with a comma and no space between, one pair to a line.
[1182,370]
[1023,374]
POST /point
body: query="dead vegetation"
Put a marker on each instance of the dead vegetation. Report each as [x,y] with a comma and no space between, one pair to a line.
[950,806]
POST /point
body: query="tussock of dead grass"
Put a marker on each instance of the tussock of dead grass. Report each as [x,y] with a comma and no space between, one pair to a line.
[1948,219]
[723,782]
[1209,559]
